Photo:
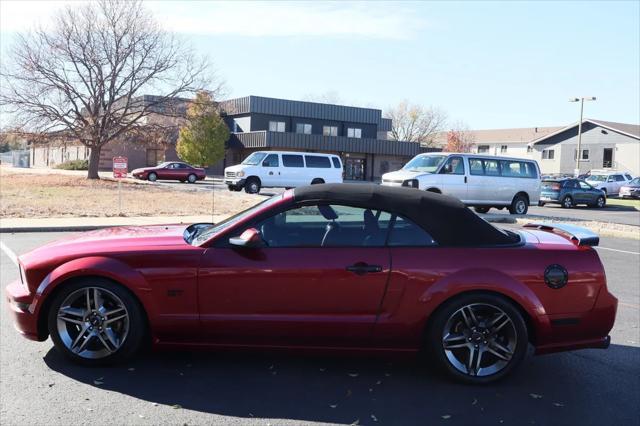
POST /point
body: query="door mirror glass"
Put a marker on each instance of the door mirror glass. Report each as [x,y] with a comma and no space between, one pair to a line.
[250,238]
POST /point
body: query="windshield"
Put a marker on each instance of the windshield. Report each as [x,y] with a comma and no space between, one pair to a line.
[424,163]
[205,234]
[635,181]
[254,159]
[597,178]
[165,164]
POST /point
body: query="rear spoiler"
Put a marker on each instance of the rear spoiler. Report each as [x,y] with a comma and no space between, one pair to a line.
[580,236]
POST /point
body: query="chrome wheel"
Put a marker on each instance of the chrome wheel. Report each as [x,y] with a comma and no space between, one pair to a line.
[479,339]
[567,202]
[601,202]
[192,178]
[521,207]
[92,322]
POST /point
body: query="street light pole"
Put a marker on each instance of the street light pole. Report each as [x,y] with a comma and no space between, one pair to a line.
[576,172]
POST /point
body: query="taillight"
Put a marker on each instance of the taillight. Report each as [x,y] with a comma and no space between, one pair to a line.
[555,186]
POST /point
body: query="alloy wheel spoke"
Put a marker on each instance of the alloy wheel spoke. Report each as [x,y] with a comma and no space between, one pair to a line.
[500,321]
[73,312]
[88,298]
[500,351]
[114,319]
[84,333]
[71,320]
[104,342]
[468,316]
[111,336]
[108,314]
[452,341]
[97,299]
[474,354]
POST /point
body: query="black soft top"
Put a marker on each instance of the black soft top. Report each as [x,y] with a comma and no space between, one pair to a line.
[447,219]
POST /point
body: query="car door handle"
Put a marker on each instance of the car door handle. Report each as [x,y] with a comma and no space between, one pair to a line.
[362,268]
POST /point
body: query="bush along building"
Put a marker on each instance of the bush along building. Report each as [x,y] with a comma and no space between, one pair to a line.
[357,135]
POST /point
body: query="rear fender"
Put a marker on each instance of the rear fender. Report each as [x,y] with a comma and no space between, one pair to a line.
[480,279]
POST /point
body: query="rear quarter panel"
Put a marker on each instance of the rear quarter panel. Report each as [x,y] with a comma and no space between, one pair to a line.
[423,278]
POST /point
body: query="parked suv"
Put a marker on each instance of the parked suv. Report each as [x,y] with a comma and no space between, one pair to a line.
[571,192]
[608,181]
[481,181]
[282,169]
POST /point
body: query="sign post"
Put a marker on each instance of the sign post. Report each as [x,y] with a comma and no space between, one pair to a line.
[120,170]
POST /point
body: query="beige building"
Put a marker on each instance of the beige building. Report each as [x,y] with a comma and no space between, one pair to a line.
[604,145]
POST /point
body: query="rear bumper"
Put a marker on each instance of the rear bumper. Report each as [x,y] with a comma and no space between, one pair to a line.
[580,331]
[20,305]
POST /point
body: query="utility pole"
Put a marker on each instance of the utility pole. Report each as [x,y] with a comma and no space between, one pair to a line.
[576,172]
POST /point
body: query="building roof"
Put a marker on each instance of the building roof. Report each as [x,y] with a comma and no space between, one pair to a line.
[502,136]
[291,108]
[446,218]
[631,130]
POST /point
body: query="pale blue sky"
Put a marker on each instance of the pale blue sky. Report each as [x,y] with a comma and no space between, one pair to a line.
[490,64]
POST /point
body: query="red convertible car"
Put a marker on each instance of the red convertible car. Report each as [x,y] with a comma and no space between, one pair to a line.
[323,268]
[171,170]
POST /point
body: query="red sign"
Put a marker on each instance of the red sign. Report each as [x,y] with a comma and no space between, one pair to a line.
[120,167]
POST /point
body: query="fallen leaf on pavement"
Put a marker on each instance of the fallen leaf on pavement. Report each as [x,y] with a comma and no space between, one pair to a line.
[558,404]
[353,374]
[446,416]
[475,401]
[333,405]
[535,396]
[374,418]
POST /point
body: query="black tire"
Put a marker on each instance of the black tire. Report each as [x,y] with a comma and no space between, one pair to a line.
[317,181]
[137,324]
[192,178]
[440,321]
[482,209]
[601,202]
[234,188]
[519,205]
[567,202]
[252,185]
[152,177]
[540,204]
[434,190]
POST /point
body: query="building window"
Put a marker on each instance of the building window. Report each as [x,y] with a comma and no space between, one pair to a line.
[483,149]
[585,154]
[529,149]
[548,154]
[354,132]
[329,130]
[304,128]
[154,157]
[276,126]
[503,149]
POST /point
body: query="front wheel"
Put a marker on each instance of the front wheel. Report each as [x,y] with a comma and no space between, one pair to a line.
[478,338]
[601,202]
[192,178]
[152,177]
[95,321]
[482,209]
[252,186]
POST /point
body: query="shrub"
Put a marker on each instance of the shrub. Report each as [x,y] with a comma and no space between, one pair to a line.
[74,165]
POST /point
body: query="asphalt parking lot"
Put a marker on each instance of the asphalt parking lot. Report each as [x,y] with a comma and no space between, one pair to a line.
[599,387]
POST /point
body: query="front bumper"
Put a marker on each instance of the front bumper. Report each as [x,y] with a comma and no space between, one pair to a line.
[20,306]
[234,181]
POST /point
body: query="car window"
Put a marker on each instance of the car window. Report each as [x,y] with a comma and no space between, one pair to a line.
[584,185]
[289,160]
[611,179]
[271,160]
[628,177]
[405,233]
[570,184]
[336,162]
[491,167]
[475,166]
[317,161]
[619,178]
[325,226]
[453,166]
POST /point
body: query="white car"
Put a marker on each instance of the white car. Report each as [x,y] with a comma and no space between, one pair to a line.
[268,169]
[481,181]
[608,181]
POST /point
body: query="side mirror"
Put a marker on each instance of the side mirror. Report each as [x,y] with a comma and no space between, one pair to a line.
[250,238]
[447,169]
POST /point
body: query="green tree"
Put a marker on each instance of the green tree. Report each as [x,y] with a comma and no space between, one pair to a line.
[202,138]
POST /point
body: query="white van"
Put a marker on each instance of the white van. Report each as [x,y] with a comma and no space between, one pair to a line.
[481,181]
[268,169]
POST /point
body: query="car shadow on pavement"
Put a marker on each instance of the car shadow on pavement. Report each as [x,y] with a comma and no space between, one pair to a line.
[607,208]
[552,389]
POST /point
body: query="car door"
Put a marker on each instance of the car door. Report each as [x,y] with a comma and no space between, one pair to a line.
[270,175]
[166,172]
[319,279]
[453,178]
[589,193]
[293,170]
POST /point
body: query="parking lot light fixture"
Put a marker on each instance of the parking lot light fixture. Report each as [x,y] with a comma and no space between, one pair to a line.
[578,152]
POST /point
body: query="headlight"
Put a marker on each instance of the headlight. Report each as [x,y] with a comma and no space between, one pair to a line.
[411,183]
[240,174]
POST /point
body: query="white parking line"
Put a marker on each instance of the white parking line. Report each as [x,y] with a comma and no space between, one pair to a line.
[10,254]
[621,251]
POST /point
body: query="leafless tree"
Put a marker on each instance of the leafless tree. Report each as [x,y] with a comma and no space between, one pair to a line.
[84,74]
[415,123]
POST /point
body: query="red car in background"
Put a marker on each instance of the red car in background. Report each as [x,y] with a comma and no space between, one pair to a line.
[331,267]
[171,170]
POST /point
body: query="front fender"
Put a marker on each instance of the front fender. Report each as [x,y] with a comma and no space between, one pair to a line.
[106,267]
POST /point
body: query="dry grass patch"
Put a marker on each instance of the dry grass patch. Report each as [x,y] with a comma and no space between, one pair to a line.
[34,195]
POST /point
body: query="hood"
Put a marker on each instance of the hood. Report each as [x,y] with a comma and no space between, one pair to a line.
[124,238]
[143,169]
[403,174]
[236,168]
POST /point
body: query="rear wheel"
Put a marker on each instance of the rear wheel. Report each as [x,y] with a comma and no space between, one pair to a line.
[252,186]
[152,177]
[519,205]
[192,178]
[478,338]
[482,209]
[317,181]
[567,202]
[95,321]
